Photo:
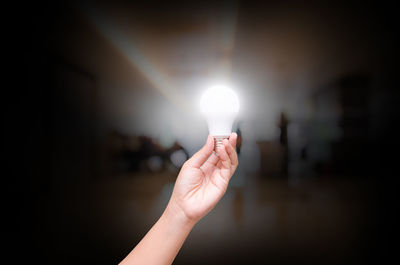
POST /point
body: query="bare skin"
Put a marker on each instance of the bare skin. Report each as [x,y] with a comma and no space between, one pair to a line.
[200,185]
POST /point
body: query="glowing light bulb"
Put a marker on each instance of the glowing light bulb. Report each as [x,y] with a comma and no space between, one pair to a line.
[220,106]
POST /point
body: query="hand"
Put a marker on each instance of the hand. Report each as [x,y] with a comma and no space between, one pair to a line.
[201,183]
[204,179]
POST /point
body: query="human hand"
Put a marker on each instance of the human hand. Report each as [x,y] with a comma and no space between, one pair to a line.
[204,179]
[201,183]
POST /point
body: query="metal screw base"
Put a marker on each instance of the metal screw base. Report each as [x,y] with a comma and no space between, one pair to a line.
[218,141]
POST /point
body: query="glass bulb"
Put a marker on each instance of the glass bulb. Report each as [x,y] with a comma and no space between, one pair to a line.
[220,106]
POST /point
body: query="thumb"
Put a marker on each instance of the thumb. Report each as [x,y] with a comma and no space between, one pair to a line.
[201,156]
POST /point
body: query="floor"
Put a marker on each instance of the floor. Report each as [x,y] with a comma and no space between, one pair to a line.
[263,221]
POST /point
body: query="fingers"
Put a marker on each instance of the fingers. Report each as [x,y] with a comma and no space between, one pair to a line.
[209,166]
[223,155]
[233,139]
[206,155]
[231,151]
[201,156]
[211,161]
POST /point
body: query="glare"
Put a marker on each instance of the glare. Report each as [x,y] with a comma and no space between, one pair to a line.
[220,106]
[219,99]
[160,81]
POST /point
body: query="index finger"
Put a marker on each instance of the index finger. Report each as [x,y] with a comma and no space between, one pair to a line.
[201,156]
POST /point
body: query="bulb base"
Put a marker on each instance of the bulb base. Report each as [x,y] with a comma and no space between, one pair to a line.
[218,141]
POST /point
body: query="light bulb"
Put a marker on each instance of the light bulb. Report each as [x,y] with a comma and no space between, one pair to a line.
[220,106]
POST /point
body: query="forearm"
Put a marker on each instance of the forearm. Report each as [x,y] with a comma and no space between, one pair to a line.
[162,243]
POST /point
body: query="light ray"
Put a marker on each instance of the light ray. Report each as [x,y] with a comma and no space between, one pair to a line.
[228,29]
[128,48]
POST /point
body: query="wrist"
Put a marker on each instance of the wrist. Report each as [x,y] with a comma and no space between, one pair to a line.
[177,217]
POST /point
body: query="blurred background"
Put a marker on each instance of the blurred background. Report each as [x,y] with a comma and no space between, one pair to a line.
[105,110]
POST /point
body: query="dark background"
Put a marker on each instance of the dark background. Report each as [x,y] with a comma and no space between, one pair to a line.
[102,95]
